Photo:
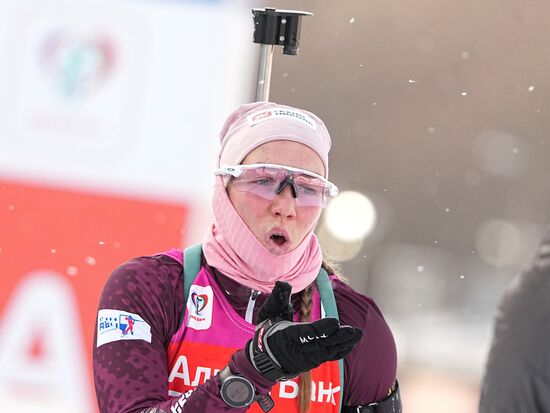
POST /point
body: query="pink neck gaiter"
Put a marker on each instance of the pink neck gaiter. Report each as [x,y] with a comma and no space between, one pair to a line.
[233,249]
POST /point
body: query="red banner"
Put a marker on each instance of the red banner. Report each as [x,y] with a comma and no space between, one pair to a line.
[56,249]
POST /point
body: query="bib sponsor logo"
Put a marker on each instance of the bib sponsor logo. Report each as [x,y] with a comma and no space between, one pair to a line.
[115,325]
[199,301]
[264,115]
[199,307]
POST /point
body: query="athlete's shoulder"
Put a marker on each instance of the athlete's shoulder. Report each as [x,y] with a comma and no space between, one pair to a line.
[352,303]
[371,367]
[145,284]
[152,272]
[360,310]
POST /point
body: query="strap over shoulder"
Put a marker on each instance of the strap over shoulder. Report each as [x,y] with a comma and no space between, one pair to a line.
[331,310]
[191,267]
[327,295]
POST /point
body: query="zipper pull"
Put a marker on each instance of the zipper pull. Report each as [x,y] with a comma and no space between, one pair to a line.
[250,306]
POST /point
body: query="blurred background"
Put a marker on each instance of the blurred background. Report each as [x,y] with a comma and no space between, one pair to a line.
[109,113]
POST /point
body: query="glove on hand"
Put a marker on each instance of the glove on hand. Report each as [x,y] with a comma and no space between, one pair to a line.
[278,304]
[282,349]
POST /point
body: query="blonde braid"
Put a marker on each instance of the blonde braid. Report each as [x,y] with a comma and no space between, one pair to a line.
[304,391]
[306,305]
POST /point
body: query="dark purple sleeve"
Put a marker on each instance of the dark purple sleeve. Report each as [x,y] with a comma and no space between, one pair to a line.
[132,375]
[370,369]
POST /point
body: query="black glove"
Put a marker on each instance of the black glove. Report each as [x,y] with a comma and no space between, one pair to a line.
[282,349]
[278,304]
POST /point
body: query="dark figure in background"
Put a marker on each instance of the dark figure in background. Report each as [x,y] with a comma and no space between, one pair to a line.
[517,377]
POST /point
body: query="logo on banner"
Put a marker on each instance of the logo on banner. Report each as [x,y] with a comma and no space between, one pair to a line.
[76,65]
[199,307]
[115,325]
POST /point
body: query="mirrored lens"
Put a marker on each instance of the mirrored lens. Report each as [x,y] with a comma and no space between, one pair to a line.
[264,182]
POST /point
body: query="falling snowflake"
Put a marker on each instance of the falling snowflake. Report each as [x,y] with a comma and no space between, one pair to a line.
[90,260]
[72,271]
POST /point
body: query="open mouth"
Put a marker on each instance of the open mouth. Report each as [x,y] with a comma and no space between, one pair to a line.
[278,239]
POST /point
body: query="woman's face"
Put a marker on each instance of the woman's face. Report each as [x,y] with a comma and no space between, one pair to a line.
[271,220]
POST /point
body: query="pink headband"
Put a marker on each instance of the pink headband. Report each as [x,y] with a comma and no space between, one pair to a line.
[254,124]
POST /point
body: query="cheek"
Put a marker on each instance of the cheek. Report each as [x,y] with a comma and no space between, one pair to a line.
[308,216]
[249,207]
[254,211]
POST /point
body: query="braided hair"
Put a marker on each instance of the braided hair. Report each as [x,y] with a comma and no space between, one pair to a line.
[306,304]
[304,389]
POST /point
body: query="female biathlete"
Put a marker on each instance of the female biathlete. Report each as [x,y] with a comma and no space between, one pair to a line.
[252,319]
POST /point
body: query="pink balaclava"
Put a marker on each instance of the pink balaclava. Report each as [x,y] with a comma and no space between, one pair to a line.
[229,245]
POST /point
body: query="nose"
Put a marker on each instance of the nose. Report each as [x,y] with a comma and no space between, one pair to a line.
[284,204]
